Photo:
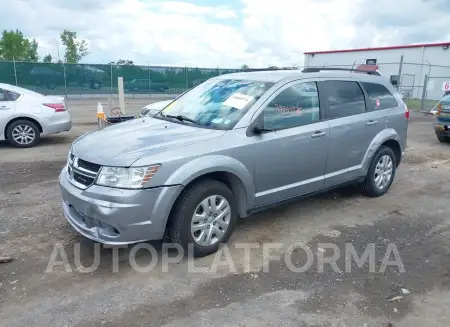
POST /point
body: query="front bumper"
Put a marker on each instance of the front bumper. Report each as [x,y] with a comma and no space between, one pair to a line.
[442,128]
[117,216]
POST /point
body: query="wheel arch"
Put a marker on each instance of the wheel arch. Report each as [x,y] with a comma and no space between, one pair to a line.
[39,126]
[225,169]
[388,137]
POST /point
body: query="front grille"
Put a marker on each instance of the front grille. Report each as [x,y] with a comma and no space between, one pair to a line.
[82,173]
[88,165]
[84,180]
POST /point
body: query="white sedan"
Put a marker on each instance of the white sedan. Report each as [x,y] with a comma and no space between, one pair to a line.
[26,115]
[153,108]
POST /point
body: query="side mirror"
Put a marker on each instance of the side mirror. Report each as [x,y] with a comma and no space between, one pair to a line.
[259,130]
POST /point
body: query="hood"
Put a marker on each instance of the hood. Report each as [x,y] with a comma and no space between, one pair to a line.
[124,143]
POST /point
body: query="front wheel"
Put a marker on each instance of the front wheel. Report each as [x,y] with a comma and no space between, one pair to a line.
[204,216]
[380,174]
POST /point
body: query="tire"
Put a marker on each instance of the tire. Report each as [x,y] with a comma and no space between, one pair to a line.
[190,201]
[95,85]
[24,125]
[369,185]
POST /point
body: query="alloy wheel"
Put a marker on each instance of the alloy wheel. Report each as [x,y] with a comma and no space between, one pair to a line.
[210,220]
[23,134]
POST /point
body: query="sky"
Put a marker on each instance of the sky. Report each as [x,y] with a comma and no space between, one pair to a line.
[225,33]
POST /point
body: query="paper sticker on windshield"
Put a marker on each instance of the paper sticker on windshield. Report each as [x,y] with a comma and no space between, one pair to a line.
[217,120]
[226,122]
[238,100]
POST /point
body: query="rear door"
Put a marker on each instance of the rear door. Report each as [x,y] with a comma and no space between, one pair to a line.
[385,109]
[352,129]
[7,107]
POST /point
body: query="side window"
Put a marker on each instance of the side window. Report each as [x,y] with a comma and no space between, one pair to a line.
[2,95]
[12,95]
[379,96]
[295,106]
[345,98]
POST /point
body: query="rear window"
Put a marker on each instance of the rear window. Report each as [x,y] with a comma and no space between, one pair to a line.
[379,97]
[345,98]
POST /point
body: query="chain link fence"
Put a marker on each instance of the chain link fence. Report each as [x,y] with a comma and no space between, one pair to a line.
[420,84]
[97,79]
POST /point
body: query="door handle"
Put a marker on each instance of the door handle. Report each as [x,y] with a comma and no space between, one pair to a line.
[371,122]
[318,134]
[4,107]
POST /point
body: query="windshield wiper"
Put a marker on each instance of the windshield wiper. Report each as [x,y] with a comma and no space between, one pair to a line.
[183,118]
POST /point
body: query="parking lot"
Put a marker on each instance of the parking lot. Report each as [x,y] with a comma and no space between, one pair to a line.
[414,216]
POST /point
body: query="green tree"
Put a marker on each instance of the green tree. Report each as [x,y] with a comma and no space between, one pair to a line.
[32,51]
[47,58]
[75,49]
[15,46]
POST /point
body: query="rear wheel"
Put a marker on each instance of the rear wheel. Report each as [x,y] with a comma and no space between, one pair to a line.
[23,133]
[380,174]
[204,216]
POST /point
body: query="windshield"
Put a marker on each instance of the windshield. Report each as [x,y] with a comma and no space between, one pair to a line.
[216,103]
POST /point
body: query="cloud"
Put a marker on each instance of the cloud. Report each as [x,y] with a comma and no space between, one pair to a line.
[226,33]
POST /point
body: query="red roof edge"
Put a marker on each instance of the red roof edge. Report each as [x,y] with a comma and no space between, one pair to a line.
[441,44]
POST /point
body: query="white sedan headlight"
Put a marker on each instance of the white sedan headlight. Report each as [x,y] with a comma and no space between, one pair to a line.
[134,177]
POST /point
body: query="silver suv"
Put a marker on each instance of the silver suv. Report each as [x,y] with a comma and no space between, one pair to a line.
[233,145]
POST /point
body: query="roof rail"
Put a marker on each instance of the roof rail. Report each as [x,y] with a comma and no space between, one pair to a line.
[318,69]
[267,69]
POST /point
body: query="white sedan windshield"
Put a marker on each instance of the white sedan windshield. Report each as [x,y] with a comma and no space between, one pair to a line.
[217,103]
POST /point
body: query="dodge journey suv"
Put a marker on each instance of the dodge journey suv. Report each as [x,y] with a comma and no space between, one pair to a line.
[231,146]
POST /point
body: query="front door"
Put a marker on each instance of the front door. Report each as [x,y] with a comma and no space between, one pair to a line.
[290,156]
[7,108]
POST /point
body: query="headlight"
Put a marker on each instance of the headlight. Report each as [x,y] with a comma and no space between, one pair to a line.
[126,177]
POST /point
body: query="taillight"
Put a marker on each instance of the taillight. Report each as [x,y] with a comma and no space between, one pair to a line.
[406,112]
[58,107]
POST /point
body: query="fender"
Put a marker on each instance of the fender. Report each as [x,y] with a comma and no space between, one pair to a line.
[383,136]
[210,164]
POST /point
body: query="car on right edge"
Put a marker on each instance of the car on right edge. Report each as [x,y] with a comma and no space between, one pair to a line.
[232,146]
[442,114]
